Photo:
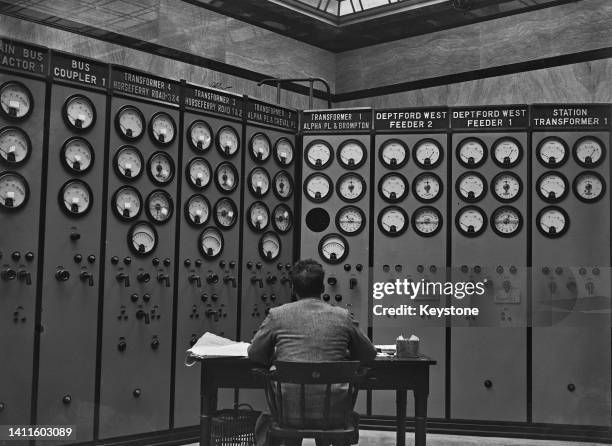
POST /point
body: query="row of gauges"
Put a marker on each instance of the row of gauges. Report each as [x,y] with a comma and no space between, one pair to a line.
[211,244]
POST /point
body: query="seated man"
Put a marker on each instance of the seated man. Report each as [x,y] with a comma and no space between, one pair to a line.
[307,330]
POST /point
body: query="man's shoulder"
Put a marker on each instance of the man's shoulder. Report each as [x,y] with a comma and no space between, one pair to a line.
[309,305]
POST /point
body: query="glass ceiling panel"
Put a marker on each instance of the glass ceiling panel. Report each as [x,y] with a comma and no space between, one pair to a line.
[342,8]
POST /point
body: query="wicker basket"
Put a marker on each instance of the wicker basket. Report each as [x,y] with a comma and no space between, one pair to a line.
[234,427]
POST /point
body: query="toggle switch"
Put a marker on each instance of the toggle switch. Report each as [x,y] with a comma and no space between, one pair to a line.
[212,313]
[194,278]
[25,276]
[141,314]
[123,277]
[163,277]
[257,280]
[155,343]
[284,280]
[227,278]
[122,345]
[86,276]
[590,287]
[352,283]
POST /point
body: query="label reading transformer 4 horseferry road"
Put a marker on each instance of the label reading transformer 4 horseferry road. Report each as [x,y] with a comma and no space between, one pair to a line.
[83,71]
[213,101]
[490,117]
[337,121]
[144,85]
[23,57]
[584,116]
[411,119]
[274,115]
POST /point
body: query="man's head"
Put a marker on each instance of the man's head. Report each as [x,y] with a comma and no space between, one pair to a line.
[307,278]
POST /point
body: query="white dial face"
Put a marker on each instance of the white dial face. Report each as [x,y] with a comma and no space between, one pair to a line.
[471,187]
[228,141]
[427,187]
[333,249]
[76,197]
[552,186]
[393,187]
[318,154]
[161,168]
[507,187]
[506,152]
[350,220]
[77,155]
[131,123]
[427,221]
[589,186]
[351,187]
[284,151]
[260,182]
[143,238]
[352,154]
[160,206]
[226,177]
[471,152]
[282,218]
[80,112]
[471,221]
[14,145]
[127,202]
[318,187]
[13,191]
[259,216]
[552,152]
[225,213]
[393,154]
[211,242]
[162,128]
[552,222]
[199,173]
[260,147]
[506,221]
[427,153]
[129,162]
[200,135]
[589,151]
[393,221]
[269,246]
[198,210]
[15,100]
[283,185]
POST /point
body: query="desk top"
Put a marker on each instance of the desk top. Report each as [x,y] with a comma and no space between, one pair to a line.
[383,361]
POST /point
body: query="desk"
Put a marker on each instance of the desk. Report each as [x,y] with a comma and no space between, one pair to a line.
[400,375]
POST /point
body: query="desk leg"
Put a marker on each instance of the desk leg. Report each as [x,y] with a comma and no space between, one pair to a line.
[208,407]
[420,417]
[400,411]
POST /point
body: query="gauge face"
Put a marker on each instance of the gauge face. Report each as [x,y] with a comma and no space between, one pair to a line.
[318,154]
[200,136]
[127,203]
[507,152]
[350,220]
[198,173]
[260,147]
[552,222]
[318,187]
[259,216]
[228,141]
[283,185]
[197,210]
[16,100]
[284,152]
[225,213]
[589,187]
[427,187]
[552,152]
[471,221]
[269,246]
[142,238]
[161,168]
[75,198]
[259,182]
[552,187]
[14,191]
[393,154]
[79,112]
[506,221]
[393,221]
[77,155]
[159,206]
[393,187]
[128,163]
[333,248]
[506,187]
[427,154]
[427,221]
[589,151]
[130,123]
[226,177]
[162,129]
[471,153]
[351,154]
[351,187]
[471,187]
[282,218]
[210,242]
[15,146]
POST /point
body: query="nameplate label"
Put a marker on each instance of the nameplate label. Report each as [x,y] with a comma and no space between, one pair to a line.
[213,101]
[270,114]
[82,71]
[411,119]
[23,57]
[145,85]
[490,117]
[563,116]
[336,121]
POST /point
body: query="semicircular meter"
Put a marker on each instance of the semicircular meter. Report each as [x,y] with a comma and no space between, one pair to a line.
[471,153]
[506,187]
[393,153]
[589,187]
[427,153]
[79,113]
[318,187]
[128,162]
[260,147]
[127,203]
[351,187]
[198,173]
[227,141]
[197,210]
[77,155]
[283,185]
[393,221]
[15,146]
[333,248]
[16,100]
[350,220]
[258,216]
[552,152]
[160,168]
[471,221]
[471,187]
[427,221]
[552,187]
[427,187]
[506,221]
[284,151]
[159,206]
[259,181]
[210,242]
[14,191]
[282,218]
[589,151]
[318,154]
[352,154]
[75,198]
[142,238]
[225,213]
[162,129]
[200,136]
[226,177]
[506,152]
[552,221]
[269,246]
[393,187]
[129,123]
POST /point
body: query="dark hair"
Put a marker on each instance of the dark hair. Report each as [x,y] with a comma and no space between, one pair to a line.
[307,278]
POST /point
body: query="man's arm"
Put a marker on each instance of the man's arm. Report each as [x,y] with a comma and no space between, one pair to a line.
[261,349]
[360,346]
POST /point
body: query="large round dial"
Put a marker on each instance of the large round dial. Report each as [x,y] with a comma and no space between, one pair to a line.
[15,146]
[350,220]
[427,221]
[260,147]
[210,242]
[351,187]
[228,141]
[127,203]
[162,129]
[128,163]
[589,187]
[269,246]
[427,187]
[130,123]
[226,177]
[471,187]
[259,182]
[506,187]
[589,151]
[283,152]
[427,153]
[318,154]
[258,216]
[333,248]
[161,168]
[506,221]
[159,206]
[14,191]
[393,221]
[552,222]
[16,100]
[198,173]
[318,187]
[507,152]
[471,153]
[197,210]
[77,155]
[393,153]
[393,187]
[225,213]
[79,113]
[283,185]
[471,221]
[142,238]
[552,152]
[282,218]
[352,154]
[552,187]
[75,198]
[200,136]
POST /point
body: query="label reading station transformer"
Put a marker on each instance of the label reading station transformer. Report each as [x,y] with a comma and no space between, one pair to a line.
[144,85]
[67,67]
[411,119]
[337,120]
[213,101]
[23,57]
[493,117]
[268,114]
[584,116]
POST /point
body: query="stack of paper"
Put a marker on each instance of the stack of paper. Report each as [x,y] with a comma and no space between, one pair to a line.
[212,345]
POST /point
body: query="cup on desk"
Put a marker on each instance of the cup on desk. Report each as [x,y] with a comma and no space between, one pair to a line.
[407,348]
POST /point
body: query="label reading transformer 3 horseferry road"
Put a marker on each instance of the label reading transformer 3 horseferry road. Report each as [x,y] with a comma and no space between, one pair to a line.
[274,115]
[411,119]
[23,57]
[357,120]
[145,85]
[213,101]
[490,117]
[585,116]
[83,71]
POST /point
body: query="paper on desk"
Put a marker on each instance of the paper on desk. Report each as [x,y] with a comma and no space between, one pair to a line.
[212,345]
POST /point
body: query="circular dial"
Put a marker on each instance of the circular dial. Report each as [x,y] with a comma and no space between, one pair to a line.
[75,198]
[552,221]
[393,154]
[506,221]
[589,187]
[350,220]
[318,154]
[259,216]
[333,248]
[269,246]
[225,213]
[589,151]
[552,152]
[14,191]
[283,185]
[471,187]
[260,147]
[393,187]
[393,221]
[197,210]
[198,173]
[16,100]
[552,187]
[79,112]
[161,168]
[159,206]
[130,123]
[15,146]
[282,218]
[471,221]
[507,152]
[200,136]
[142,238]
[162,128]
[128,162]
[506,186]
[226,177]
[351,187]
[427,187]
[471,153]
[77,155]
[318,187]
[283,152]
[259,182]
[228,141]
[127,203]
[210,242]
[427,153]
[351,154]
[427,221]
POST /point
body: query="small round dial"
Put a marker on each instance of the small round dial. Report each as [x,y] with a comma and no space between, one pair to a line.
[284,152]
[471,187]
[226,177]
[14,191]
[471,221]
[198,173]
[552,152]
[127,203]
[130,123]
[589,151]
[393,221]
[162,129]
[427,187]
[283,185]
[552,222]
[506,187]
[75,198]
[393,153]
[393,187]
[128,163]
[333,248]
[79,113]
[210,242]
[282,218]
[200,136]
[269,246]
[317,187]
[350,220]
[427,221]
[77,155]
[589,187]
[228,141]
[142,238]
[197,210]
[506,221]
[552,187]
[259,182]
[161,168]
[16,100]
[507,152]
[258,216]
[351,187]
[471,153]
[318,154]
[260,147]
[352,154]
[159,206]
[427,153]
[225,213]
[15,146]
